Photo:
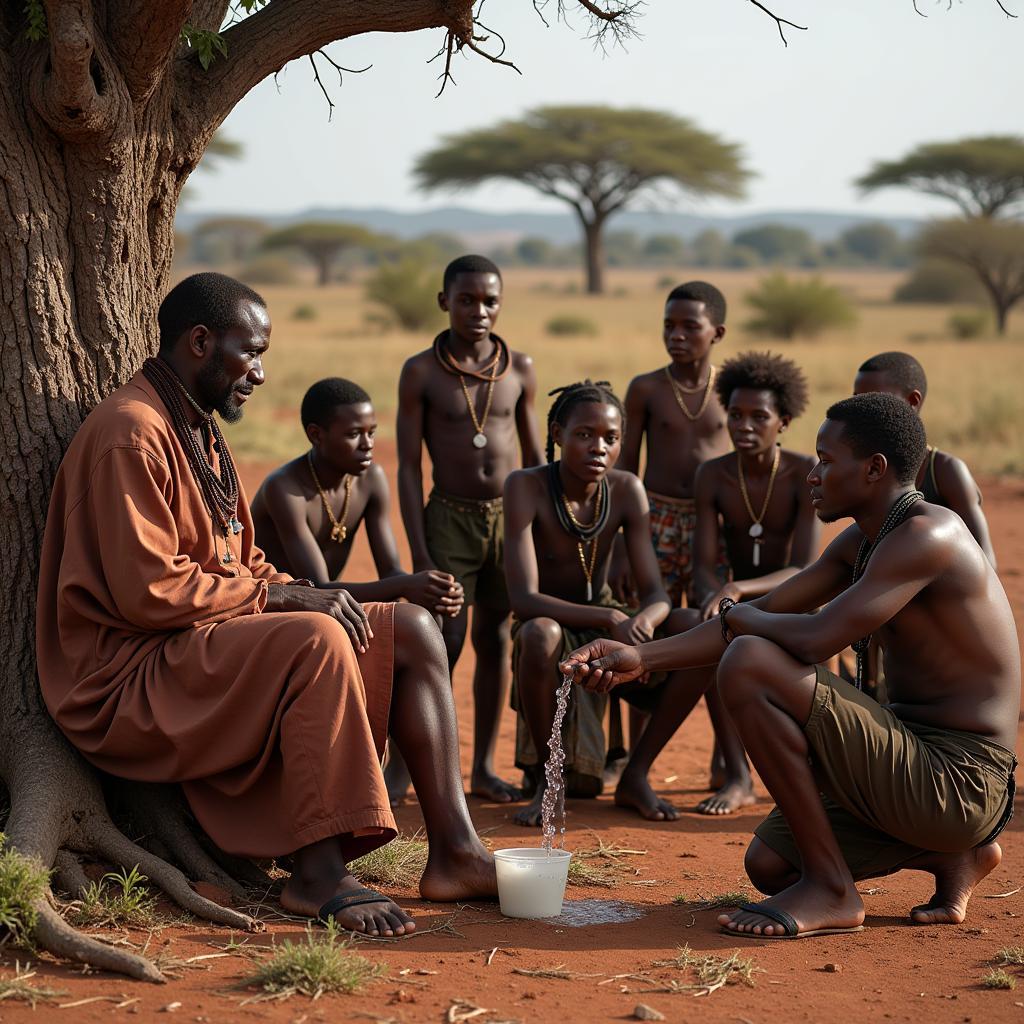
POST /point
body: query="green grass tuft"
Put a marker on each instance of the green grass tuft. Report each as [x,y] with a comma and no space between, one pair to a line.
[716,901]
[320,964]
[998,978]
[1010,956]
[23,882]
[396,864]
[118,900]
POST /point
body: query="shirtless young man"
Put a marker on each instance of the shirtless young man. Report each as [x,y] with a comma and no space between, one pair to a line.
[944,479]
[307,513]
[924,783]
[561,522]
[469,399]
[755,500]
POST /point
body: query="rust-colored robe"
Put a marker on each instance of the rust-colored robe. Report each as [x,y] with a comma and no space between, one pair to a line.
[158,663]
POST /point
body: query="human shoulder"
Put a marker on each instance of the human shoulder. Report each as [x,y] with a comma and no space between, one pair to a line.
[129,418]
[525,481]
[417,366]
[952,476]
[644,383]
[930,536]
[285,481]
[374,481]
[627,484]
[521,362]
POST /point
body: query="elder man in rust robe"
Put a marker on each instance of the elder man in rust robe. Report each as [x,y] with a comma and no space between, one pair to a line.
[170,650]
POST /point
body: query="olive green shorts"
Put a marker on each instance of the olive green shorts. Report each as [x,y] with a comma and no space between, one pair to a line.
[466,537]
[894,789]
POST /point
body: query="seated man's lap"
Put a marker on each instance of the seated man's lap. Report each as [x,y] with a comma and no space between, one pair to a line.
[893,788]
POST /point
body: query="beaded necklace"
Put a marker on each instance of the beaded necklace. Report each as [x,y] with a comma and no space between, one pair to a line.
[901,506]
[585,533]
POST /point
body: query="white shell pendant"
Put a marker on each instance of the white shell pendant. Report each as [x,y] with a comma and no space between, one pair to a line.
[480,439]
[756,530]
[757,553]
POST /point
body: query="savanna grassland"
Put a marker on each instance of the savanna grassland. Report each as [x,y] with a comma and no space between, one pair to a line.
[975,402]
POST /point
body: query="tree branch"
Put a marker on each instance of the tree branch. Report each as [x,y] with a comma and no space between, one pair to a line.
[145,38]
[779,22]
[74,87]
[209,14]
[288,29]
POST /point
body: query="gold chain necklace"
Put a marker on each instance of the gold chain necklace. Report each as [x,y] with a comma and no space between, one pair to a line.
[756,528]
[491,373]
[588,569]
[479,438]
[339,531]
[678,390]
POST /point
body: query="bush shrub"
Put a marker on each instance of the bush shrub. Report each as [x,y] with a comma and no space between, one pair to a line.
[408,291]
[307,311]
[268,269]
[938,282]
[965,324]
[789,308]
[567,325]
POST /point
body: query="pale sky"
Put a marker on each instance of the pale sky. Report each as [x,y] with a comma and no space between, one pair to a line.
[867,81]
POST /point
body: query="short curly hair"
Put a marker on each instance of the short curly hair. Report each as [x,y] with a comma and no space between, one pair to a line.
[877,422]
[323,397]
[764,371]
[901,368]
[701,291]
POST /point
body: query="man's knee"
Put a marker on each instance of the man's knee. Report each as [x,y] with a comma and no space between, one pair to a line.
[745,666]
[768,872]
[682,619]
[416,629]
[541,636]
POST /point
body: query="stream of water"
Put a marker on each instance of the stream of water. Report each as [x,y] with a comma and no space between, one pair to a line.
[553,801]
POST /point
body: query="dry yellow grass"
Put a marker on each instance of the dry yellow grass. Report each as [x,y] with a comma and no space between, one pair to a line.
[974,403]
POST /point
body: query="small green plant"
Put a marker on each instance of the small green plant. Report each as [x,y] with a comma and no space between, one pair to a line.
[306,311]
[23,883]
[998,978]
[965,324]
[408,291]
[118,899]
[398,863]
[1011,956]
[568,325]
[20,988]
[717,901]
[322,963]
[789,308]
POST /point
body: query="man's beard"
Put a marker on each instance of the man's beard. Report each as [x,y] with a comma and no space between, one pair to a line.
[211,387]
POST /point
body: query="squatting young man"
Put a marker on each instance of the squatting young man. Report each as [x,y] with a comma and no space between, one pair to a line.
[924,783]
[562,519]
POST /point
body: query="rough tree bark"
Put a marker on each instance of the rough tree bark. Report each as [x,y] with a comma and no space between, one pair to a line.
[100,125]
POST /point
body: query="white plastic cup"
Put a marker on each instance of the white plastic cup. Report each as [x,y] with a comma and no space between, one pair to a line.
[531,882]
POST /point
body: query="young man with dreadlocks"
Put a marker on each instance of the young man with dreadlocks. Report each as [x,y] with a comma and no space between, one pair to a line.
[561,522]
[171,651]
[944,479]
[469,399]
[924,783]
[307,513]
[756,501]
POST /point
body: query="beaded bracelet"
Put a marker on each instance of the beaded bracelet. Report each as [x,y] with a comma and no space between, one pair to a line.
[723,606]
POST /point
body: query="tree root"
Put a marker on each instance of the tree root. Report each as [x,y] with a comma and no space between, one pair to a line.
[112,844]
[68,876]
[52,932]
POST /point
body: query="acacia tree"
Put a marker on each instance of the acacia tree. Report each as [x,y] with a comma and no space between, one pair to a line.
[597,159]
[322,242]
[993,251]
[983,176]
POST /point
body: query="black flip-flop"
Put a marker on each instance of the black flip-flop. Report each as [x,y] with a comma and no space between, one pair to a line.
[353,898]
[790,928]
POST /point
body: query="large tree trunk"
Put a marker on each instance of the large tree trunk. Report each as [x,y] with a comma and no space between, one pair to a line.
[86,242]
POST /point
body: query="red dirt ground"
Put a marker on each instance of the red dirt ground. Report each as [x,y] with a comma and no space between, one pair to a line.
[892,970]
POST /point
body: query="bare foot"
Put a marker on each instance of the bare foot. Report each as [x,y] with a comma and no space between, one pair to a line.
[730,797]
[635,791]
[305,896]
[613,771]
[453,875]
[486,785]
[956,875]
[811,905]
[530,815]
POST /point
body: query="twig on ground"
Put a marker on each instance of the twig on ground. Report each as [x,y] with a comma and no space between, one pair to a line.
[714,902]
[1001,895]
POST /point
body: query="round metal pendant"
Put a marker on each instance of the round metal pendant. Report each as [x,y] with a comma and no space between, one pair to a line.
[756,530]
[480,440]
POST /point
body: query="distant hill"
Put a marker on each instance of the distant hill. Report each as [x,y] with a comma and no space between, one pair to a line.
[481,227]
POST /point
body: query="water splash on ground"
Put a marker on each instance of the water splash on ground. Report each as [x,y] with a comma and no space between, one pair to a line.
[582,913]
